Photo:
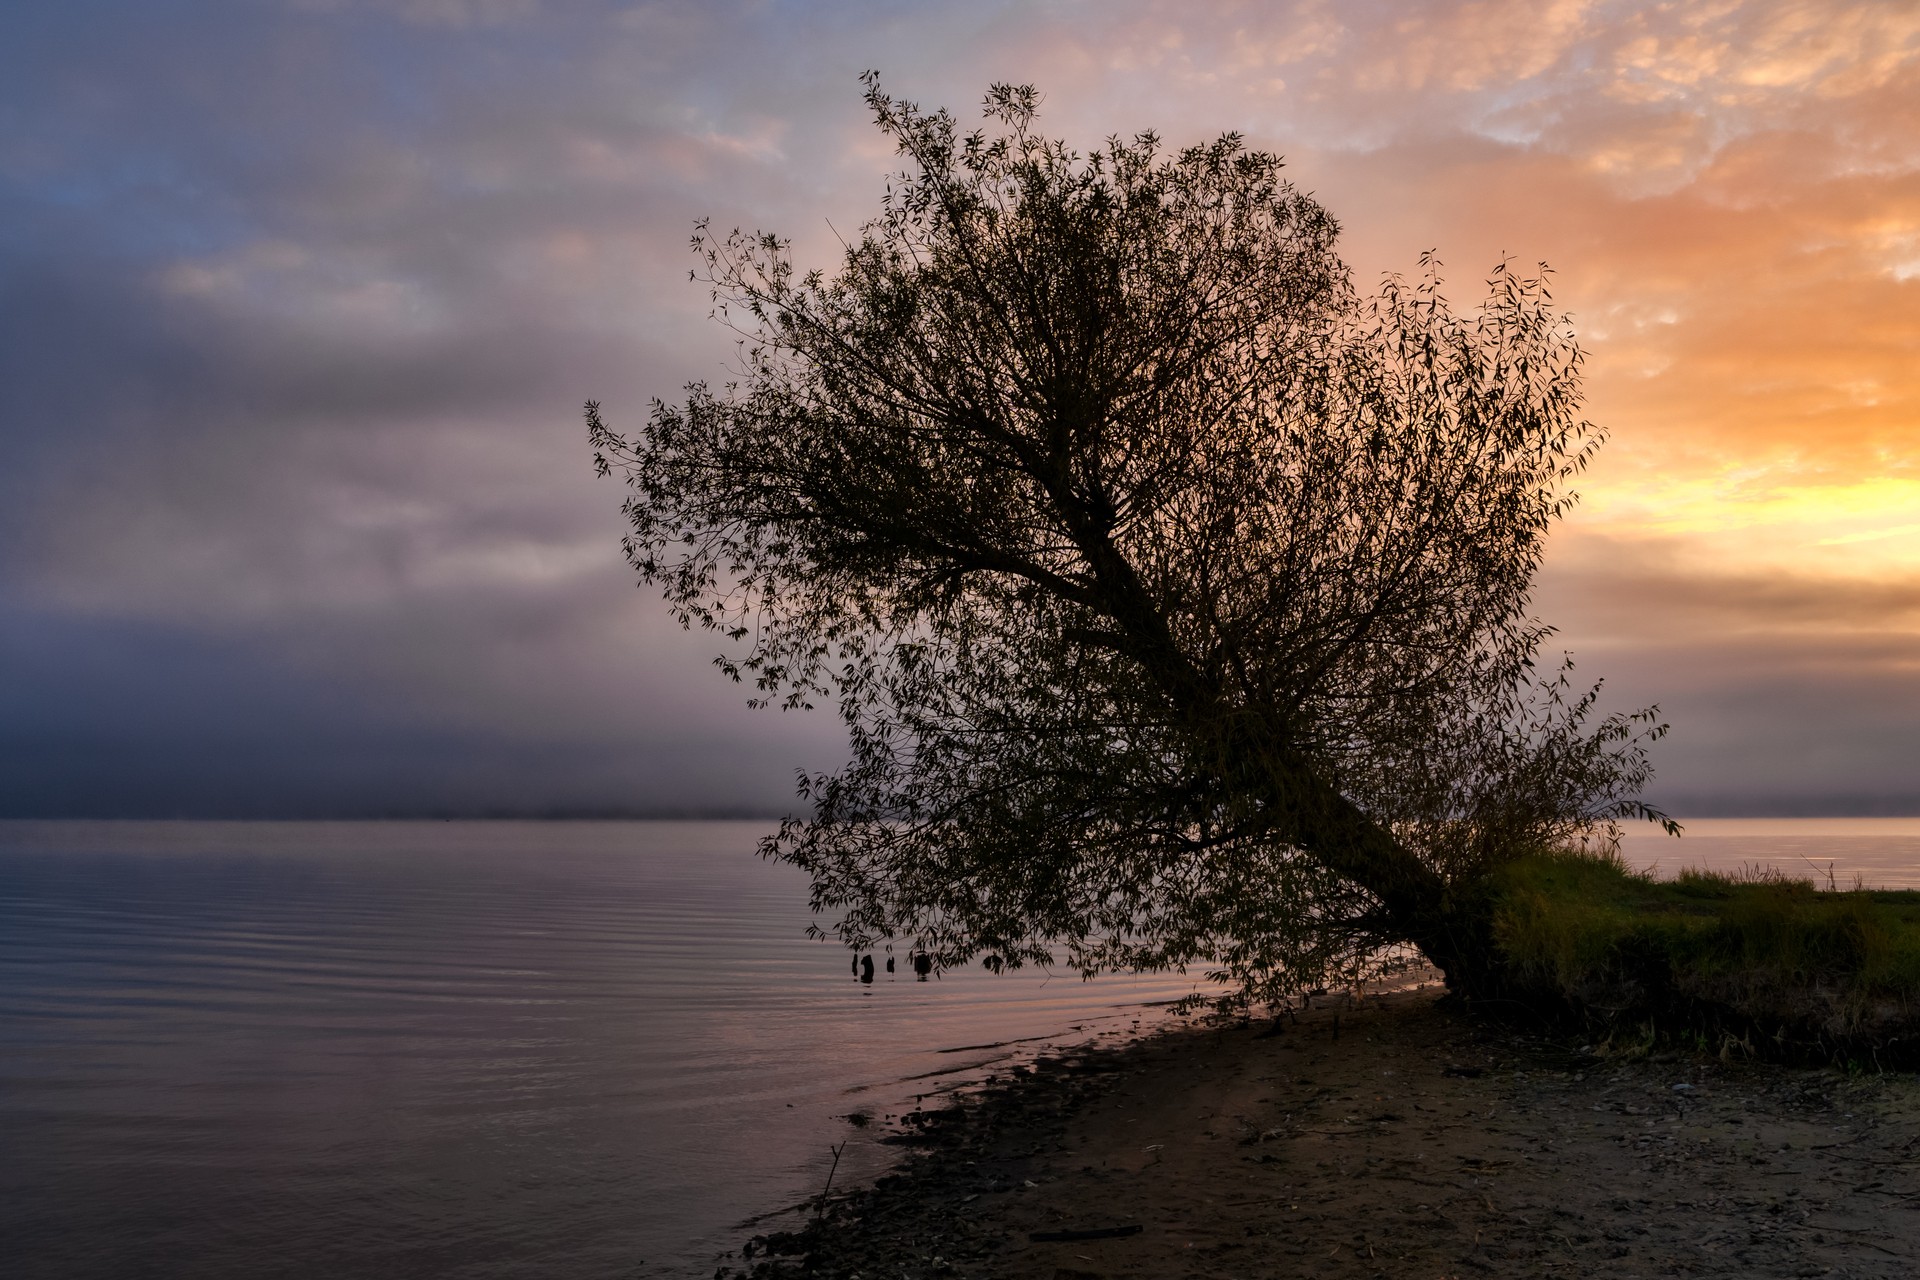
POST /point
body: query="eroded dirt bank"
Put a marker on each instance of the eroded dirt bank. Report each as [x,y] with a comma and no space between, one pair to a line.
[1393,1138]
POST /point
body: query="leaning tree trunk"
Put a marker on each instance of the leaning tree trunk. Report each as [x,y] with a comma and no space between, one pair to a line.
[1251,750]
[1447,922]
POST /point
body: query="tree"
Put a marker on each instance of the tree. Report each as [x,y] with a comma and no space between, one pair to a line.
[1174,593]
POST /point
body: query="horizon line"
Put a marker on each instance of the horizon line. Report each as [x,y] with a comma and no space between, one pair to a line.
[1718,814]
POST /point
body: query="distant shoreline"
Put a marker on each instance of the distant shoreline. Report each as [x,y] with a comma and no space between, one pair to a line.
[714,815]
[1717,824]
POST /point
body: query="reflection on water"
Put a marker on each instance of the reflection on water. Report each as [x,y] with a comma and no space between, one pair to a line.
[1883,853]
[484,1049]
[492,1049]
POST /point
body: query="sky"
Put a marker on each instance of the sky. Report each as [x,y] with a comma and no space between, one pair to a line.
[299,300]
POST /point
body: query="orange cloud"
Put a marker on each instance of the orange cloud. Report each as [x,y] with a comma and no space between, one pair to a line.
[1729,192]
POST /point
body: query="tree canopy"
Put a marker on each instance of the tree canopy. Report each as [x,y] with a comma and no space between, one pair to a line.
[1174,592]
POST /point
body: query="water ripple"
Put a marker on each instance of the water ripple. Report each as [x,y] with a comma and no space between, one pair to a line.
[494,1049]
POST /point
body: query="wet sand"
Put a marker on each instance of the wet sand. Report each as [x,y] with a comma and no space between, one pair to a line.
[1390,1138]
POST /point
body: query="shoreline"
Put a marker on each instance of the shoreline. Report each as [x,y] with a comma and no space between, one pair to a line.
[1389,1136]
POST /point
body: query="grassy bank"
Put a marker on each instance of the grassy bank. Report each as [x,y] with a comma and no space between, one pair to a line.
[1759,964]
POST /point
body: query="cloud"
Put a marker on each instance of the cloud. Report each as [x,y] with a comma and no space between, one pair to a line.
[298,304]
[1788,693]
[453,14]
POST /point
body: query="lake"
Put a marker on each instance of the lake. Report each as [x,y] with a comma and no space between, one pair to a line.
[1884,853]
[494,1048]
[483,1049]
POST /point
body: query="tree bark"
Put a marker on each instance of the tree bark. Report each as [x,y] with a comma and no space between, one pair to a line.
[1256,759]
[1444,922]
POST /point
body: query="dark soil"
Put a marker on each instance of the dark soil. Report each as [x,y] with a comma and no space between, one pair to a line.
[1386,1139]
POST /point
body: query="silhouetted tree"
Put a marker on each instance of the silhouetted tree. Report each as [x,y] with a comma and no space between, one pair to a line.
[1175,594]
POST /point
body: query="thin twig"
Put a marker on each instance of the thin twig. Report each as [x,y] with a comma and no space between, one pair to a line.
[830,1172]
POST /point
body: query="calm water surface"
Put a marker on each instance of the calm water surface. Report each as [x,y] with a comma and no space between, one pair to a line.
[425,1049]
[1884,853]
[492,1049]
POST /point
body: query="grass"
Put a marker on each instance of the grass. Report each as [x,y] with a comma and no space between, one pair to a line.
[1773,965]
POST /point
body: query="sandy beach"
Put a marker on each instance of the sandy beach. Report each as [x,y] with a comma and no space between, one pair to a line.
[1390,1137]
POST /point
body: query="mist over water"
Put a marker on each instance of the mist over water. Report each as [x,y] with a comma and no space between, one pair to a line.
[484,1049]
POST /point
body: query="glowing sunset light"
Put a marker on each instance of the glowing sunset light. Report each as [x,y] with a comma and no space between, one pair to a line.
[1895,532]
[1797,514]
[293,294]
